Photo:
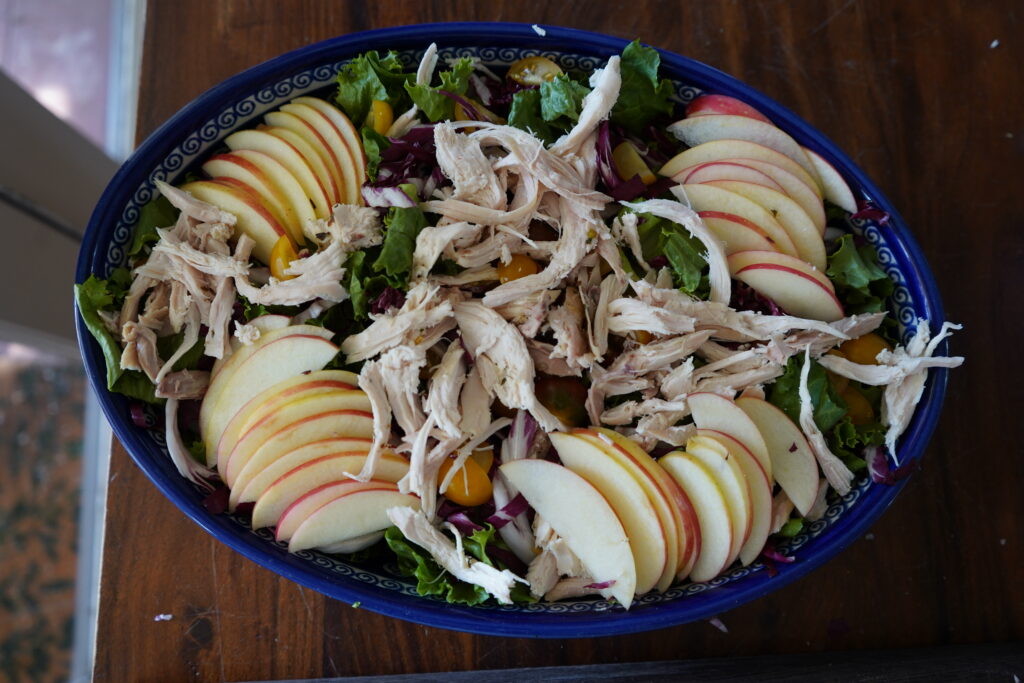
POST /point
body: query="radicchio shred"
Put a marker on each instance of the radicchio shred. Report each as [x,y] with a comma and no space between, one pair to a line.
[880,471]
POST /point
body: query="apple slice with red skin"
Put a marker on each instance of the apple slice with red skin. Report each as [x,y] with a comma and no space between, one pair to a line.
[288,156]
[760,488]
[793,463]
[278,354]
[629,500]
[345,158]
[742,259]
[723,104]
[583,518]
[276,395]
[253,481]
[701,129]
[731,482]
[708,197]
[668,498]
[728,170]
[712,513]
[231,166]
[712,411]
[798,225]
[833,186]
[281,178]
[721,150]
[791,286]
[291,486]
[263,323]
[284,418]
[737,233]
[793,187]
[348,132]
[252,216]
[312,156]
[312,137]
[354,511]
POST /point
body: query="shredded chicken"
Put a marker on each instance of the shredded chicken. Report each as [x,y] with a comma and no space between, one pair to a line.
[837,474]
[423,309]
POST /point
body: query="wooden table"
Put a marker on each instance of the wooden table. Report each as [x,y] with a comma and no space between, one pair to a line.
[927,97]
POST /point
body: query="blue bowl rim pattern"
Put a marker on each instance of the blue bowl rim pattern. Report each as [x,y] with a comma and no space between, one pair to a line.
[874,500]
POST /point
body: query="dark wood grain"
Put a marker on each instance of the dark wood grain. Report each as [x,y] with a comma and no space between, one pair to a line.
[927,97]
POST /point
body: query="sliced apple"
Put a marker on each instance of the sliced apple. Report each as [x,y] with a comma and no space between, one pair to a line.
[583,518]
[795,188]
[297,202]
[728,170]
[263,323]
[234,167]
[345,158]
[833,186]
[668,498]
[303,348]
[311,475]
[252,215]
[798,292]
[712,513]
[355,511]
[629,500]
[798,225]
[288,156]
[720,150]
[708,197]
[723,104]
[793,463]
[737,233]
[312,156]
[731,482]
[760,487]
[701,129]
[748,258]
[348,133]
[311,137]
[711,411]
[283,418]
[276,395]
[253,481]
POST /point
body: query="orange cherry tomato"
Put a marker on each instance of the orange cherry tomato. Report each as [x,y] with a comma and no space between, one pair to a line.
[469,486]
[642,337]
[864,349]
[519,266]
[484,457]
[629,163]
[534,70]
[565,397]
[281,256]
[857,406]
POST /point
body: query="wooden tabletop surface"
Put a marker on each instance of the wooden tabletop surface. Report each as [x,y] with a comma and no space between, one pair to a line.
[926,96]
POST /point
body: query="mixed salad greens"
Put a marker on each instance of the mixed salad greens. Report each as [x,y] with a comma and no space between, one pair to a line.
[529,256]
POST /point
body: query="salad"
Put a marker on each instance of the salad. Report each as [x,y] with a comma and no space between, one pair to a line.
[526,334]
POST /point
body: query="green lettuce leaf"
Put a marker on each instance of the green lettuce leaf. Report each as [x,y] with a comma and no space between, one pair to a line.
[436,106]
[401,227]
[157,213]
[860,282]
[525,114]
[561,100]
[642,96]
[685,253]
[431,579]
[373,144]
[371,77]
[784,393]
[168,345]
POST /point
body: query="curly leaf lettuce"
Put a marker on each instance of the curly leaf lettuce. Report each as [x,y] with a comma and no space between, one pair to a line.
[436,105]
[642,96]
[371,77]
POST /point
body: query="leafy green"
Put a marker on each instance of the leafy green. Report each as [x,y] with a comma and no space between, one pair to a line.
[432,579]
[168,345]
[784,393]
[642,96]
[371,77]
[435,105]
[95,295]
[525,114]
[373,144]
[860,282]
[252,310]
[792,527]
[561,100]
[157,213]
[662,237]
[401,227]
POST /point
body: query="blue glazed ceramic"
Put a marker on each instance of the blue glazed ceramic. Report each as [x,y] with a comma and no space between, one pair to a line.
[173,149]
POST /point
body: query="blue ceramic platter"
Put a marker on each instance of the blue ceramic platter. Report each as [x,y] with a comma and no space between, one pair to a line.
[187,137]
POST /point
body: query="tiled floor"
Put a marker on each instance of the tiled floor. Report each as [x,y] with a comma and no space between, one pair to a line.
[58,50]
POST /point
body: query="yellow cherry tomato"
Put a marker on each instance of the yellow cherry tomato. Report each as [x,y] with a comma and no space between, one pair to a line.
[534,70]
[858,407]
[642,336]
[838,382]
[484,456]
[629,163]
[469,486]
[381,116]
[281,256]
[864,349]
[519,266]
